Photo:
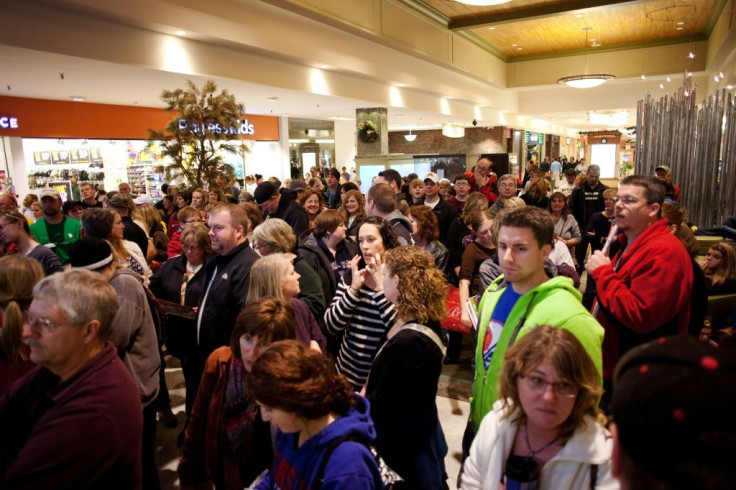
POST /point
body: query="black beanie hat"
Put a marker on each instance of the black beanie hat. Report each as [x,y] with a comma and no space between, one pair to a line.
[90,253]
[264,191]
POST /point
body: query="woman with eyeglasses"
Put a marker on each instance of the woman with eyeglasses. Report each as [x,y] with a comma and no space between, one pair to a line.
[546,431]
[18,275]
[181,280]
[226,442]
[274,275]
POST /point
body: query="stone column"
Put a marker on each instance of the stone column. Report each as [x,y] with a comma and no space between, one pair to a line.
[371,145]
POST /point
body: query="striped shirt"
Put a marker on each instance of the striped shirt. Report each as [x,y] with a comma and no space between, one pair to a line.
[363,321]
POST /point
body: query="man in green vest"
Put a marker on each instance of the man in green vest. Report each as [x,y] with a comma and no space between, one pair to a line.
[55,230]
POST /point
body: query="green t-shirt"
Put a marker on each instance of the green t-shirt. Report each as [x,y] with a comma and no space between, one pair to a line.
[61,236]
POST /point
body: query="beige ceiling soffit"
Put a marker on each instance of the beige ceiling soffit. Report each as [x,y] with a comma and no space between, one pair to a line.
[715,13]
[608,49]
[535,13]
[440,19]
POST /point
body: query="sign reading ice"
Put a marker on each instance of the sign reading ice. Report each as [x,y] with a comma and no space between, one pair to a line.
[9,122]
[216,128]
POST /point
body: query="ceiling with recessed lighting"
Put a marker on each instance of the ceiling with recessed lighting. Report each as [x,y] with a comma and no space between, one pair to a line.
[290,57]
[522,28]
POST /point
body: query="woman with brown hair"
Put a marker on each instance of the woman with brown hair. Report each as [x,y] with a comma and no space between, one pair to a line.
[18,275]
[226,441]
[16,235]
[327,250]
[402,385]
[313,203]
[200,199]
[322,426]
[546,430]
[426,233]
[566,226]
[352,210]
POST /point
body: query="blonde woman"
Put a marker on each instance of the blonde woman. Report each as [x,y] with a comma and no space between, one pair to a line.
[274,275]
[18,275]
[107,225]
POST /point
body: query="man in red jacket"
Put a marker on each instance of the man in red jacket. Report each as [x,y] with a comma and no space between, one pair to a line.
[644,292]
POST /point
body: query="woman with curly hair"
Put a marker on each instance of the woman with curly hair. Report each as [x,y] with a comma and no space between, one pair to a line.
[426,233]
[546,429]
[402,386]
[313,203]
[359,312]
[322,427]
[352,210]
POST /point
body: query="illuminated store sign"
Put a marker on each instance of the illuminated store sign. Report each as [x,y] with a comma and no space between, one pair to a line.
[9,122]
[216,128]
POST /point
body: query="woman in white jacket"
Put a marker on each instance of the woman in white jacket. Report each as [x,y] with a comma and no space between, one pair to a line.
[546,428]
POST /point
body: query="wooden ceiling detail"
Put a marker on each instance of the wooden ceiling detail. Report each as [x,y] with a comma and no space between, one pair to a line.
[545,27]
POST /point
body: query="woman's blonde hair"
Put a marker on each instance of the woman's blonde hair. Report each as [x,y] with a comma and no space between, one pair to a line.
[205,196]
[361,205]
[276,232]
[150,216]
[572,363]
[475,202]
[18,275]
[727,270]
[200,234]
[422,287]
[267,275]
[415,183]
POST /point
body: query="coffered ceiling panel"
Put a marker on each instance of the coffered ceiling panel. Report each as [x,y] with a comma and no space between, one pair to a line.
[523,28]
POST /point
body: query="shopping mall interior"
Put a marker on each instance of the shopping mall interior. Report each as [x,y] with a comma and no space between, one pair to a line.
[81,82]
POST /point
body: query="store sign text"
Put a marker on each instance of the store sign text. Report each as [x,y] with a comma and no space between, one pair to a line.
[8,122]
[216,128]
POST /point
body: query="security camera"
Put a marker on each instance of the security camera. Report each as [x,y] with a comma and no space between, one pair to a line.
[475,122]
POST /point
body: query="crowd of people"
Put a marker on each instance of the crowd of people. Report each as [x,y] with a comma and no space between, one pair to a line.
[310,323]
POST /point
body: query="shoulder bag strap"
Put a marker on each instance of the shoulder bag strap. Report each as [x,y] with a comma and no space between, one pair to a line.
[429,333]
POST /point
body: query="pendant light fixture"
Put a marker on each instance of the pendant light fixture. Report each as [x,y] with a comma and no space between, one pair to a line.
[410,137]
[586,80]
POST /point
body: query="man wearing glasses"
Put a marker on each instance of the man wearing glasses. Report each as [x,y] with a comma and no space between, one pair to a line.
[506,189]
[75,420]
[644,292]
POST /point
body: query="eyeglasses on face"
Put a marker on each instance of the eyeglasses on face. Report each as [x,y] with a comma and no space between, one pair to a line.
[43,324]
[562,388]
[627,200]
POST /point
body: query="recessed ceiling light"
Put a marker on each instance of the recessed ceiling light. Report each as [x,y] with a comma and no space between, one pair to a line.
[729,87]
[661,85]
[491,28]
[681,23]
[579,16]
[691,55]
[720,74]
[643,77]
[323,67]
[592,39]
[678,28]
[519,49]
[78,98]
[180,33]
[272,99]
[514,45]
[669,79]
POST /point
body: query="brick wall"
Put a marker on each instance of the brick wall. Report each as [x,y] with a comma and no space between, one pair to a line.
[476,142]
